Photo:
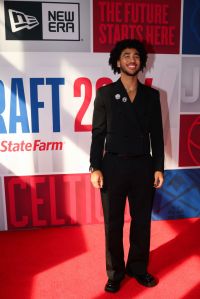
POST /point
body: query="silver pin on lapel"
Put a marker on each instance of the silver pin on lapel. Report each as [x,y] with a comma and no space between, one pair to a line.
[117,96]
[124,99]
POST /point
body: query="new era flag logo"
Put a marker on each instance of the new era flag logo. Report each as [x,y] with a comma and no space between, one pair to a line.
[20,20]
[37,20]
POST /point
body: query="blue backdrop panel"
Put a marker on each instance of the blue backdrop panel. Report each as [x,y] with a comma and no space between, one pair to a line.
[191,27]
[180,195]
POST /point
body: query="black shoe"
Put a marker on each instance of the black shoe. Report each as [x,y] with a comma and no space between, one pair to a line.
[112,285]
[146,279]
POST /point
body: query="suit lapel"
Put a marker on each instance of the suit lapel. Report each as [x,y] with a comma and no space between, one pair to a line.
[141,107]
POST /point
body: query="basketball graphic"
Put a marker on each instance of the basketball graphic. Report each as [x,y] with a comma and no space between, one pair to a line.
[189,140]
[193,141]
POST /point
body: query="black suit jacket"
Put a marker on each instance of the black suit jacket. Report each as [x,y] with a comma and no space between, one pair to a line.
[120,126]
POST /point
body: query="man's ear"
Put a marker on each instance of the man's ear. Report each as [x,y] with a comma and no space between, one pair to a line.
[118,64]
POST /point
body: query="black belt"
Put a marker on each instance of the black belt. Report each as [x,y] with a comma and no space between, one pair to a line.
[126,156]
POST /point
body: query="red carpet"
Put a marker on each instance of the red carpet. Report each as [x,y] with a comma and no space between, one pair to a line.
[68,263]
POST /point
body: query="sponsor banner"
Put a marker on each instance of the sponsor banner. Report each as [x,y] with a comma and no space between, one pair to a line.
[49,21]
[191,27]
[179,196]
[61,22]
[155,22]
[38,24]
[189,144]
[47,92]
[46,117]
[55,200]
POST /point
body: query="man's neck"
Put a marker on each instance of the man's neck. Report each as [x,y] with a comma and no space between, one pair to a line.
[129,82]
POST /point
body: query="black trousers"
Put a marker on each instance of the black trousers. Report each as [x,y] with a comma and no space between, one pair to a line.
[124,177]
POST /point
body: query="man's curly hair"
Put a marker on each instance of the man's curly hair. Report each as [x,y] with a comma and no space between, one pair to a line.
[123,44]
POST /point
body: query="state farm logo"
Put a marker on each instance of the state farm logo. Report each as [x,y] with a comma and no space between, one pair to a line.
[19,20]
[26,20]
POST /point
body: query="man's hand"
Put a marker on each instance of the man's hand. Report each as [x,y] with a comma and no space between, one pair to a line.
[158,179]
[97,179]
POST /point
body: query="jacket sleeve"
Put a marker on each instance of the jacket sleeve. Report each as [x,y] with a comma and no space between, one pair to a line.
[98,131]
[156,134]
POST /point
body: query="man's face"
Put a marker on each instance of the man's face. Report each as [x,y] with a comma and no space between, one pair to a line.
[129,62]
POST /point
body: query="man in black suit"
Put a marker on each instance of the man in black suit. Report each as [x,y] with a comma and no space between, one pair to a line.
[127,160]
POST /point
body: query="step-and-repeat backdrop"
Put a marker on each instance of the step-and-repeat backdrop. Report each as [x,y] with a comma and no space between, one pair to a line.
[54,55]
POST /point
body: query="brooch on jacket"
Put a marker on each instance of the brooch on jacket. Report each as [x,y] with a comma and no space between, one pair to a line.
[118,97]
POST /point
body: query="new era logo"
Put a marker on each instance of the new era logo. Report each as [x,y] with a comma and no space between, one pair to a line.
[31,20]
[20,20]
